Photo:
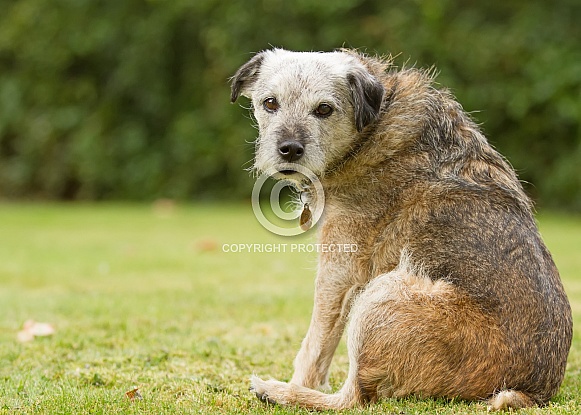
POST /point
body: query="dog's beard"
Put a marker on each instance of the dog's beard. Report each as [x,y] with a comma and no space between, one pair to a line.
[296,174]
[299,171]
[283,171]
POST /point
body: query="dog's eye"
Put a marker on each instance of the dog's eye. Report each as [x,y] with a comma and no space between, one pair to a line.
[270,104]
[323,110]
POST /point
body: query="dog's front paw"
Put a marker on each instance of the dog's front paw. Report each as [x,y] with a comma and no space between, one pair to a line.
[269,391]
[258,387]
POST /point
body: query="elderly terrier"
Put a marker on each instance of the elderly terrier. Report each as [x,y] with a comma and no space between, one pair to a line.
[451,292]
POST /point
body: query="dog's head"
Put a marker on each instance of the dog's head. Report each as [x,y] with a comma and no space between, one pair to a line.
[310,107]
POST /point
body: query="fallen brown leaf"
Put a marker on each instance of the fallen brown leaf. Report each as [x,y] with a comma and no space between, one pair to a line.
[134,394]
[164,208]
[206,245]
[32,329]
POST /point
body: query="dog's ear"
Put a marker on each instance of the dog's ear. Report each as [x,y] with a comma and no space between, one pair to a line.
[367,95]
[245,76]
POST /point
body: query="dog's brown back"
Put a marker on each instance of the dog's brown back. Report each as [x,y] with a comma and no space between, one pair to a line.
[457,206]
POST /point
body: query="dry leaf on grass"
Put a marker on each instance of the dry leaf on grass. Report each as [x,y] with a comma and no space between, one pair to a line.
[206,245]
[32,329]
[164,208]
[134,394]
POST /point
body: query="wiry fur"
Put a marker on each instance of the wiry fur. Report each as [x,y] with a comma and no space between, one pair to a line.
[452,292]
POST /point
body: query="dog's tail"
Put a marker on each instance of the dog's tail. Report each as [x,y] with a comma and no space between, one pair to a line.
[510,399]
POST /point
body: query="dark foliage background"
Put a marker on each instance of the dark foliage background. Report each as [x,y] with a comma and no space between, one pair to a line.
[106,99]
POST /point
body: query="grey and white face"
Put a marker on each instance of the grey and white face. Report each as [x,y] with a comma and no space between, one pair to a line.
[310,107]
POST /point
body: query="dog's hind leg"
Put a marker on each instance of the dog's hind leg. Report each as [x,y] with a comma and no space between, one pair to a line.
[409,335]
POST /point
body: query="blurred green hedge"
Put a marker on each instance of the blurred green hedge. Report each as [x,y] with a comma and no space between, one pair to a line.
[129,99]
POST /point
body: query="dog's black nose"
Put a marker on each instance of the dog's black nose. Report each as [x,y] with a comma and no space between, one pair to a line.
[291,150]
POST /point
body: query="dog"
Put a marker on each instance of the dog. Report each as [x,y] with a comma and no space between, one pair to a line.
[452,292]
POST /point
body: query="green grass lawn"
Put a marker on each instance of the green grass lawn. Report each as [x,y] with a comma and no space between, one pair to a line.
[146,297]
